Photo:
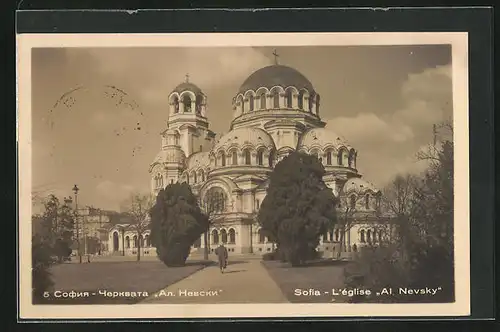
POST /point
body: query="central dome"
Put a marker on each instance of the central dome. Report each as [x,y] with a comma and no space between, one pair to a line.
[276,75]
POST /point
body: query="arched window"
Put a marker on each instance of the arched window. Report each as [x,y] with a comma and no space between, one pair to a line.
[127,242]
[116,241]
[337,235]
[276,99]
[235,157]
[271,159]
[202,175]
[260,157]
[232,236]
[215,200]
[301,100]
[329,157]
[195,178]
[263,101]
[142,241]
[215,237]
[176,139]
[223,159]
[135,241]
[369,236]
[351,158]
[176,104]
[325,237]
[380,236]
[340,158]
[242,103]
[199,102]
[187,103]
[262,237]
[367,201]
[248,160]
[288,98]
[223,235]
[352,203]
[146,241]
[251,103]
[187,178]
[374,236]
[362,236]
[311,98]
[317,104]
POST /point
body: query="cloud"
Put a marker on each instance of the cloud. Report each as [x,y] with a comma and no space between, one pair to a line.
[388,144]
[368,127]
[112,193]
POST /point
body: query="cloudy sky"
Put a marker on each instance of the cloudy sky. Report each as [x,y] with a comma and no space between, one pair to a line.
[104,134]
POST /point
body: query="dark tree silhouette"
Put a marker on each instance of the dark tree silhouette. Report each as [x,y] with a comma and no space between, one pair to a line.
[176,223]
[298,207]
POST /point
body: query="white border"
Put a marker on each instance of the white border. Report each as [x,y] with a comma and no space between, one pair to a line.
[459,42]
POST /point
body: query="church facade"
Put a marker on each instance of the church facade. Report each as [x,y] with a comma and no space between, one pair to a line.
[275,111]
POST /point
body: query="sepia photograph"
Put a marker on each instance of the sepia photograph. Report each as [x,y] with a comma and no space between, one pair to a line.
[243,175]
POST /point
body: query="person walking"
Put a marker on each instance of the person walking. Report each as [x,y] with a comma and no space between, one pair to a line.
[222,256]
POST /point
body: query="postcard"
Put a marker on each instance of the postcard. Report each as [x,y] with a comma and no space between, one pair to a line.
[243,175]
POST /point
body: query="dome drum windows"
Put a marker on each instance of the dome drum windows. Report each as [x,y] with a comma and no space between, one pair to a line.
[158,181]
[174,105]
[263,101]
[188,103]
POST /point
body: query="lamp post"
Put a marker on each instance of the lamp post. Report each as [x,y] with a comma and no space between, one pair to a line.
[75,190]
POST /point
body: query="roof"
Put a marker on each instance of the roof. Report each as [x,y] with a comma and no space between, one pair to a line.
[198,159]
[276,75]
[186,86]
[358,186]
[243,136]
[322,137]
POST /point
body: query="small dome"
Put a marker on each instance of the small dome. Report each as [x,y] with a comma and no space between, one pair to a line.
[322,137]
[276,75]
[244,136]
[169,155]
[359,186]
[186,86]
[197,160]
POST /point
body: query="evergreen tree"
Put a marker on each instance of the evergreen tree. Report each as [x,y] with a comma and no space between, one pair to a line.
[176,223]
[41,260]
[298,207]
[56,228]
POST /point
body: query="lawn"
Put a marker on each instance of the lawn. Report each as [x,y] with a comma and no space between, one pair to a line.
[143,276]
[315,281]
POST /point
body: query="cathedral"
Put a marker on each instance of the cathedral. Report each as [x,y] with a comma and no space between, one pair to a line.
[275,111]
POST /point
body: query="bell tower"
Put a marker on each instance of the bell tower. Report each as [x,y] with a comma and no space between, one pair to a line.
[188,118]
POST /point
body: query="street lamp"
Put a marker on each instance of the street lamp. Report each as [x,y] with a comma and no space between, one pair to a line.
[75,190]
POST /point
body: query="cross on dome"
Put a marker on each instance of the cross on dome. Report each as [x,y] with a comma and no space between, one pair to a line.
[276,56]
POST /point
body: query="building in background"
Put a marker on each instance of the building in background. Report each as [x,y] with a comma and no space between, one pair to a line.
[275,111]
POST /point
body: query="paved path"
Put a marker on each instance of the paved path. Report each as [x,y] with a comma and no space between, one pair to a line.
[244,281]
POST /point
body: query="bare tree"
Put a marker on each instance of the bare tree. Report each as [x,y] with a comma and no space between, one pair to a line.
[399,203]
[213,205]
[348,209]
[138,209]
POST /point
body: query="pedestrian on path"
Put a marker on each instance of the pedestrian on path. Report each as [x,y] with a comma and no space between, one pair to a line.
[222,256]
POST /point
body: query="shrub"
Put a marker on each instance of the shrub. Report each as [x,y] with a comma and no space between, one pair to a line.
[176,223]
[41,262]
[298,207]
